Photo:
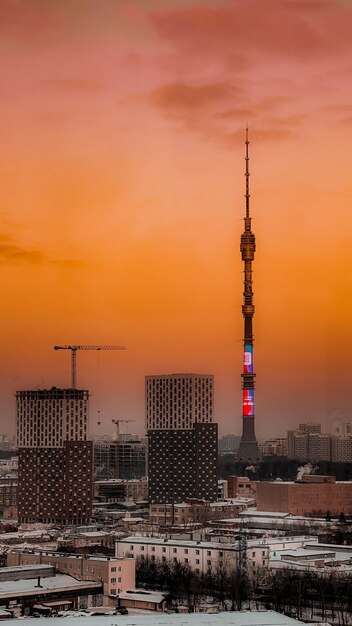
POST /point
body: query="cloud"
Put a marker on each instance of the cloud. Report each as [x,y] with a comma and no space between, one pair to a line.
[205,110]
[180,98]
[298,30]
[11,253]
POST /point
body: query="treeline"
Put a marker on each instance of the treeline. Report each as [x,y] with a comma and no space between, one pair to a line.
[279,467]
[304,595]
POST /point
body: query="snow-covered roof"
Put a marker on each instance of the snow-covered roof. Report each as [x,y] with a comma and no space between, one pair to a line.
[236,618]
[50,584]
[143,596]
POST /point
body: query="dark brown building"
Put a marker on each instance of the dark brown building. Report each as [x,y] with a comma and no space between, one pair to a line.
[55,462]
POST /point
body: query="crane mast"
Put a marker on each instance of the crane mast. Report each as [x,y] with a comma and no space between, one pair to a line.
[74,349]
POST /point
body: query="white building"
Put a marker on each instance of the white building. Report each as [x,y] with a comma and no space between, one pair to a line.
[203,556]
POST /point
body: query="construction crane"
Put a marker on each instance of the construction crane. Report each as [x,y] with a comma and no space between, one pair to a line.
[74,357]
[117,424]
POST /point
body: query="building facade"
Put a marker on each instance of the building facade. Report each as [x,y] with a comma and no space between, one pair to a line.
[308,443]
[313,495]
[117,574]
[55,460]
[182,438]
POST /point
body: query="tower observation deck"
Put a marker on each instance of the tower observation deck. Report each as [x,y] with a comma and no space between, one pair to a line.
[248,450]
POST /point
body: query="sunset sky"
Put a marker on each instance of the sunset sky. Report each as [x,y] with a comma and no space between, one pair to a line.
[122,198]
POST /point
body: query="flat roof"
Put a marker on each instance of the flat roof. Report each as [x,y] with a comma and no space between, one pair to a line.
[229,618]
[143,596]
[25,568]
[213,545]
[50,584]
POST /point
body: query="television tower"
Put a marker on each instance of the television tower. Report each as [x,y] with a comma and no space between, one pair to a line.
[248,450]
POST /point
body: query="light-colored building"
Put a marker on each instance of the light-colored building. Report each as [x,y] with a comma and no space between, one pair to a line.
[203,556]
[322,559]
[177,401]
[313,495]
[116,573]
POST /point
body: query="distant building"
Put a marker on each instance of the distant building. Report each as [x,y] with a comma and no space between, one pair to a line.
[276,446]
[182,440]
[229,443]
[313,495]
[55,458]
[308,443]
[118,490]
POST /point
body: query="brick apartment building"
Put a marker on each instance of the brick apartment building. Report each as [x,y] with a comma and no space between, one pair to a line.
[312,495]
[55,460]
[116,573]
[182,438]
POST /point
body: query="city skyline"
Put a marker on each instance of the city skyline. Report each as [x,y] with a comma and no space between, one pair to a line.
[121,167]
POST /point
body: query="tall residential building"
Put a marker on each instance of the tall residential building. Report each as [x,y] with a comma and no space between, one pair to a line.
[55,459]
[182,438]
[248,450]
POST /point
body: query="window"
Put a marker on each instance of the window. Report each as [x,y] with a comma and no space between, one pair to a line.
[131,547]
[163,549]
[142,548]
[174,550]
[208,553]
[186,551]
[197,551]
[253,554]
[197,561]
[113,580]
[209,563]
[113,592]
[113,569]
[153,548]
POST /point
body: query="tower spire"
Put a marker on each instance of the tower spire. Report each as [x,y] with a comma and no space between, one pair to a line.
[247,173]
[249,450]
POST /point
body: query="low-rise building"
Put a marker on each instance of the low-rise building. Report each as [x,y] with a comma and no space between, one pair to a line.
[22,595]
[117,574]
[312,495]
[195,511]
[322,559]
[204,556]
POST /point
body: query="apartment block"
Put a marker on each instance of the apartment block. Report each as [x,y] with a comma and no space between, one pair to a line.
[182,438]
[55,460]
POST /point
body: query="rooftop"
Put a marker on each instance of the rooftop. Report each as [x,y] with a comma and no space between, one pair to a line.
[51,584]
[237,618]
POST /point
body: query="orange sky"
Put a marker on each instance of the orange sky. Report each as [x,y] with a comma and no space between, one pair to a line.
[121,171]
